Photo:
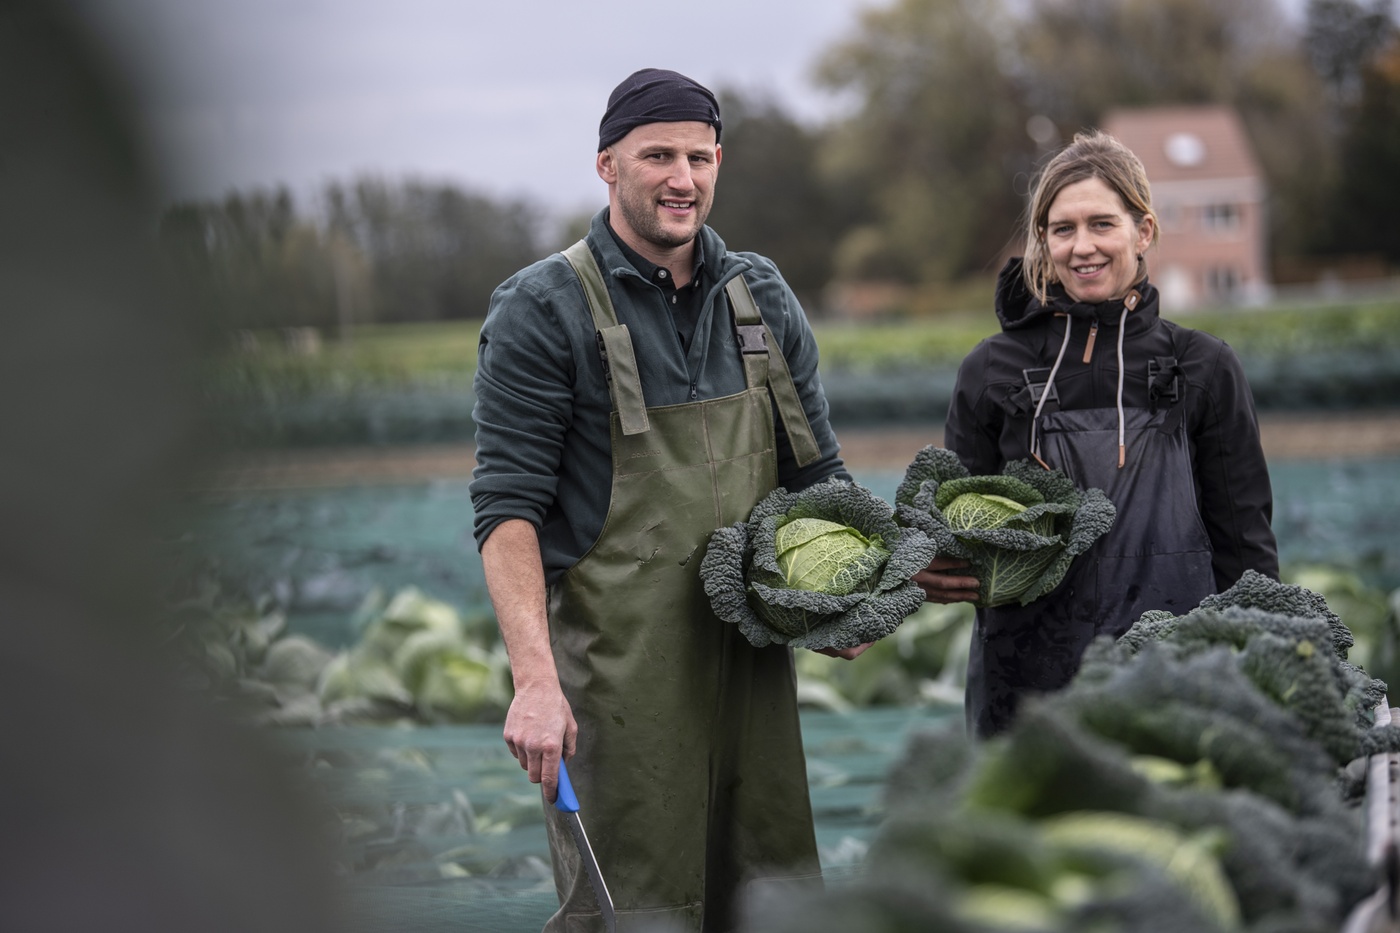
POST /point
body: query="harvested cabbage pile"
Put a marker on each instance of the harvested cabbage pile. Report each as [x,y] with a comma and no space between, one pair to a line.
[1020,530]
[1199,775]
[828,567]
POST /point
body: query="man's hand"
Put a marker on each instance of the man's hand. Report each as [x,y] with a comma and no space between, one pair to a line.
[849,654]
[540,728]
[540,724]
[941,584]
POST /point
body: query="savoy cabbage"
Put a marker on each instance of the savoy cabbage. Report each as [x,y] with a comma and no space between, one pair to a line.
[1187,779]
[825,557]
[1281,636]
[827,567]
[1019,529]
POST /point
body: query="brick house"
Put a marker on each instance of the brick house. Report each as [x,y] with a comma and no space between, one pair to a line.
[1209,195]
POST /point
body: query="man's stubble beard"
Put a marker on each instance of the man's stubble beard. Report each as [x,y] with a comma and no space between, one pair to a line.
[640,212]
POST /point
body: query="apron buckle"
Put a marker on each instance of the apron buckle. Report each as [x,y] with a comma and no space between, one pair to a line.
[752,338]
[1164,379]
[1039,388]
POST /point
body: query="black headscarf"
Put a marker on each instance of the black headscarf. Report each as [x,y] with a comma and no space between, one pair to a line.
[654,95]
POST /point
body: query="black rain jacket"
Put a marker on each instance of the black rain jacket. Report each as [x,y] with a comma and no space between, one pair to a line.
[989,419]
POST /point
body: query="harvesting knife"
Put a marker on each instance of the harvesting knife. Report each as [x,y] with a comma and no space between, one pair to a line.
[567,803]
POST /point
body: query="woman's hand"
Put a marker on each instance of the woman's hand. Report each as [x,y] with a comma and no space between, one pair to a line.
[846,654]
[941,583]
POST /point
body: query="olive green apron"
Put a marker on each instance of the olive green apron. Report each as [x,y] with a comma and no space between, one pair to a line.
[689,768]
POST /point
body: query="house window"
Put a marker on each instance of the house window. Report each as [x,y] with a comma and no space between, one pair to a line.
[1222,280]
[1168,216]
[1220,217]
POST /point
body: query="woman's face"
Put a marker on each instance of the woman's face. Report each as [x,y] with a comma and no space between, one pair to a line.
[1093,242]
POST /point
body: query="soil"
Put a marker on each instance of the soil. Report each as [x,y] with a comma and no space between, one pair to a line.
[1311,436]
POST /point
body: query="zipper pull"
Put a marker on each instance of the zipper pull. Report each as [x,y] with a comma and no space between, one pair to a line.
[1089,344]
[603,355]
[694,392]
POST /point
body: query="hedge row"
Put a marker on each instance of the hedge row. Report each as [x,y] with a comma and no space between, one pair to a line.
[357,415]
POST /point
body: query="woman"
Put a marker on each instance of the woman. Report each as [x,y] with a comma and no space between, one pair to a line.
[1086,378]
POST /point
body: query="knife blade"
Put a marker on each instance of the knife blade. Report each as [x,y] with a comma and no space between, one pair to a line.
[567,804]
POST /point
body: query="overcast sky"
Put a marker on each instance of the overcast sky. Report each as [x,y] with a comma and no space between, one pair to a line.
[501,96]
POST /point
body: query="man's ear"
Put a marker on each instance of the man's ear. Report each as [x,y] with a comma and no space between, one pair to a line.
[719,154]
[607,165]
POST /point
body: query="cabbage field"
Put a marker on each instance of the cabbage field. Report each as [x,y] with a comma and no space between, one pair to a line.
[338,605]
[353,620]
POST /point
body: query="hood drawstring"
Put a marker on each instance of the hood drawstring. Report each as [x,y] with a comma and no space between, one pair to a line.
[1130,302]
[1045,392]
[1122,446]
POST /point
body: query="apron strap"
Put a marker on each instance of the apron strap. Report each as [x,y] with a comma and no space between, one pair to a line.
[614,343]
[764,363]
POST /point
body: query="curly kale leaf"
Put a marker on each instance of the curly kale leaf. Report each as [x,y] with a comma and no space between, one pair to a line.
[755,580]
[1019,529]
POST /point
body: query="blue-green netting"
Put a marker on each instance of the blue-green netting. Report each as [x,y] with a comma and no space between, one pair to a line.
[320,551]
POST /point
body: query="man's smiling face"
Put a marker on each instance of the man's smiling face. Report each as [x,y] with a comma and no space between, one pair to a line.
[662,177]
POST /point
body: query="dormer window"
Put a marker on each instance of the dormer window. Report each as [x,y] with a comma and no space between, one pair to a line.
[1185,150]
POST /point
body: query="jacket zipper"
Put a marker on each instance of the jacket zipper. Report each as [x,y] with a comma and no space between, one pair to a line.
[737,268]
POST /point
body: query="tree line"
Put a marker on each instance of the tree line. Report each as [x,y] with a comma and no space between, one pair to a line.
[952,105]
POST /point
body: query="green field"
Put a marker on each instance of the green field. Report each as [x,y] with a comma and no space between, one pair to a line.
[412,383]
[436,354]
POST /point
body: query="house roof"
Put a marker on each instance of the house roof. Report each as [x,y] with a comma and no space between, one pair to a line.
[1185,143]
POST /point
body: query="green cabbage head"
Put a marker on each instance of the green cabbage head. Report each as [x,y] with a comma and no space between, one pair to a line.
[1019,529]
[827,567]
[988,510]
[827,557]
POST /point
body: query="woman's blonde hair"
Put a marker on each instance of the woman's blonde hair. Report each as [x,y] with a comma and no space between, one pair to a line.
[1093,154]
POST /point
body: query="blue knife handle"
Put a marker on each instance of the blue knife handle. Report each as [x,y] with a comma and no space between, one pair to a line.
[565,801]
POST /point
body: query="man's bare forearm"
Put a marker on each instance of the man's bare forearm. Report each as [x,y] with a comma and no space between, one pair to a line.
[540,726]
[515,580]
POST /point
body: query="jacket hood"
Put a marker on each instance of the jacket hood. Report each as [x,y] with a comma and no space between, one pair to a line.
[1017,308]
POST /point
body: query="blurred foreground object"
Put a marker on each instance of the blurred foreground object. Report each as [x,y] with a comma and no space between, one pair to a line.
[126,805]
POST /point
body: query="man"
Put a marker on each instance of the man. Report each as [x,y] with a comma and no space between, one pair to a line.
[630,400]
